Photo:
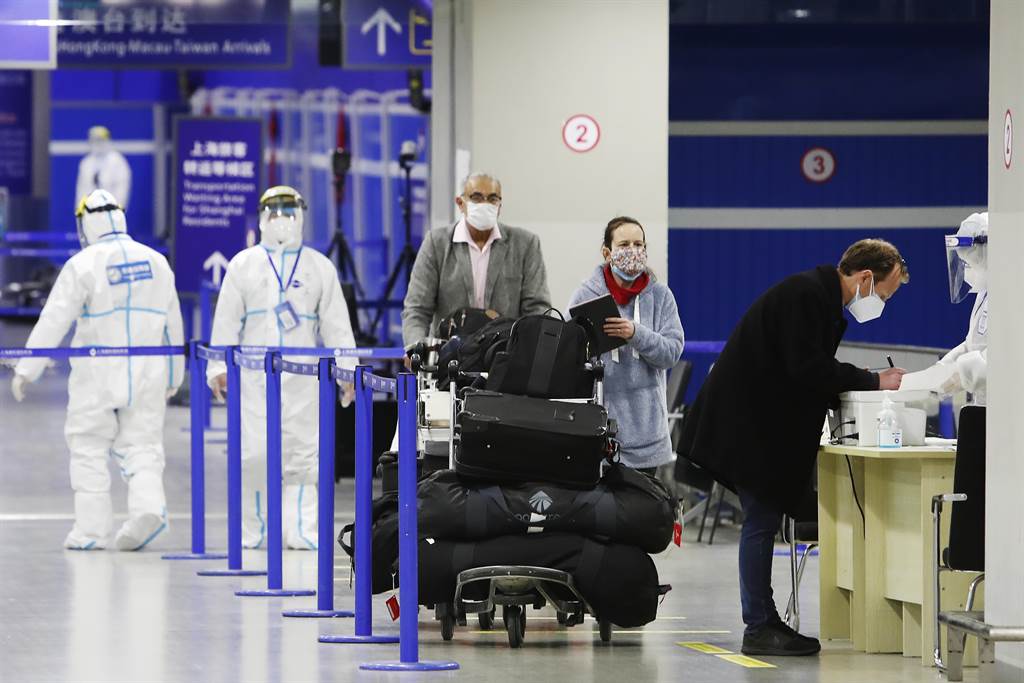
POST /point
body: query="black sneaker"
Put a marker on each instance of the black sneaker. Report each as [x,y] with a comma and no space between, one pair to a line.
[778,640]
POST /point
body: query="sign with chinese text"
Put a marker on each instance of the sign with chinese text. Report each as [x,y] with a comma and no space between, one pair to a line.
[217,187]
[150,33]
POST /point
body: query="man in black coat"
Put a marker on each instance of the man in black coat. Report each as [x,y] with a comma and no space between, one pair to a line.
[756,424]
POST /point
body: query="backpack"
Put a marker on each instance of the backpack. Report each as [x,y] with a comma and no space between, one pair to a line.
[545,357]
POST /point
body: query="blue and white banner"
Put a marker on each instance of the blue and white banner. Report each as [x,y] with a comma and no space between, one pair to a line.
[216,194]
[150,33]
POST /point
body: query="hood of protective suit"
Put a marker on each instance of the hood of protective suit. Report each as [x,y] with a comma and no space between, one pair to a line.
[282,213]
[975,257]
[99,214]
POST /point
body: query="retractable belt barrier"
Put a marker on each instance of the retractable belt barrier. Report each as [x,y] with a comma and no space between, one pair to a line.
[271,361]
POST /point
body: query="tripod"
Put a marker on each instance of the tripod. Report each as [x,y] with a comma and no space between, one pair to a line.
[407,257]
[341,161]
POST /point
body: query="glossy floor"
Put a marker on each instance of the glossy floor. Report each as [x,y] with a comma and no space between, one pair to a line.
[107,616]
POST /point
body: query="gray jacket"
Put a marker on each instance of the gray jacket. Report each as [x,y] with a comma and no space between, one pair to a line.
[442,280]
[634,385]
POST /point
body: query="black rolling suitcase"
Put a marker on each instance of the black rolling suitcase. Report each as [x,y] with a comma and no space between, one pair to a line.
[516,438]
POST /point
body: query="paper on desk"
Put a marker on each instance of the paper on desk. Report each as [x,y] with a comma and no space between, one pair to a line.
[931,379]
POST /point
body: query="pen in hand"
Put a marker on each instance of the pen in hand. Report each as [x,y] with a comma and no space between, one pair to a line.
[891,364]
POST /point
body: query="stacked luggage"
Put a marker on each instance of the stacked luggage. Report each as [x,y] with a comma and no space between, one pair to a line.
[535,511]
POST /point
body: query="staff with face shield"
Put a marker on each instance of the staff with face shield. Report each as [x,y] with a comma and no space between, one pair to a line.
[280,293]
[967,260]
[104,168]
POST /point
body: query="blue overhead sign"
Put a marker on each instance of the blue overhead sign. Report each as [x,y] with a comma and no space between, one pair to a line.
[28,34]
[155,33]
[387,34]
[16,131]
[217,185]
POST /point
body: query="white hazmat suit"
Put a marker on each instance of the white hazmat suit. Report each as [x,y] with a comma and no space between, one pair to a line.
[279,293]
[969,274]
[116,292]
[104,168]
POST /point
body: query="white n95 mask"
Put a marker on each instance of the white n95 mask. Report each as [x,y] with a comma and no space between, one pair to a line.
[282,231]
[865,308]
[482,216]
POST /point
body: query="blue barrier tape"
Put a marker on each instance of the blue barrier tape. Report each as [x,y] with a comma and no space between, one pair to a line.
[21,311]
[343,375]
[93,351]
[207,353]
[298,368]
[250,362]
[378,383]
[326,352]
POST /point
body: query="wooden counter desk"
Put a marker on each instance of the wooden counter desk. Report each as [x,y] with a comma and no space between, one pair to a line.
[876,575]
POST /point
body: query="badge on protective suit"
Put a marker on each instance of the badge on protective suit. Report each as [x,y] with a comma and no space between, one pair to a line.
[287,319]
[983,323]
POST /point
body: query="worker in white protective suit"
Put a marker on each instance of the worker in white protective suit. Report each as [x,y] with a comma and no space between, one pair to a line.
[104,168]
[967,258]
[279,293]
[116,292]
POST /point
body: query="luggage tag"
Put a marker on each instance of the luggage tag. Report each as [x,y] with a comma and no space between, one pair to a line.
[392,602]
[287,320]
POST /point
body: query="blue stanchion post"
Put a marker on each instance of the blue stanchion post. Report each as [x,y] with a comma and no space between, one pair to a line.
[363,534]
[205,332]
[325,497]
[197,387]
[275,579]
[408,541]
[234,399]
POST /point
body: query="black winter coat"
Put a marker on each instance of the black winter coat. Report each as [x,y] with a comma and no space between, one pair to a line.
[756,423]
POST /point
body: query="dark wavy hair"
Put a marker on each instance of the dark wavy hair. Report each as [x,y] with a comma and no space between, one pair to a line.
[616,223]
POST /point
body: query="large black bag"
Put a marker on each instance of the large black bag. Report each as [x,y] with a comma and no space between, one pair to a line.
[627,506]
[516,438]
[620,582]
[384,543]
[546,357]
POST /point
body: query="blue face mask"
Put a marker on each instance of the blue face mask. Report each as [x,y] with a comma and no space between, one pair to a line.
[623,276]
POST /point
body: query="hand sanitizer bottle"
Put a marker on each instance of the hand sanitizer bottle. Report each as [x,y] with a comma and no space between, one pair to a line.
[889,433]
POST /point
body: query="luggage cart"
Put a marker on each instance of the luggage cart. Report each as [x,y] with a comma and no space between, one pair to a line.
[515,587]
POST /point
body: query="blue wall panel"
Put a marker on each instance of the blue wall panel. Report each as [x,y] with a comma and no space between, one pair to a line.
[716,275]
[870,171]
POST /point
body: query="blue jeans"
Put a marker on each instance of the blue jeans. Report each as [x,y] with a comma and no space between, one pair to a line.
[757,544]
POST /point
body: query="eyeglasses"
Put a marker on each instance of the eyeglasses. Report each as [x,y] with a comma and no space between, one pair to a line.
[480,197]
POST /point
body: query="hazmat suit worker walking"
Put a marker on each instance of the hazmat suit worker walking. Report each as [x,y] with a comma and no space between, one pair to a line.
[116,292]
[104,168]
[279,293]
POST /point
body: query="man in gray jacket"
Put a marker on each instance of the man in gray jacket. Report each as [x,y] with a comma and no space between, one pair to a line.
[478,263]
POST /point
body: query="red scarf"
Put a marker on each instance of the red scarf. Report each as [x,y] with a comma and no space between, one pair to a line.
[622,295]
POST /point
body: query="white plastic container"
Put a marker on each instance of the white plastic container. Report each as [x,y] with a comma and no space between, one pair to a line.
[890,435]
[860,410]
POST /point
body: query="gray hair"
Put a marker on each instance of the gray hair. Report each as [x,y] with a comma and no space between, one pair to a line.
[478,175]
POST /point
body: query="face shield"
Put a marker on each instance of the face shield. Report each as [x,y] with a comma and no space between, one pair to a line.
[965,261]
[281,218]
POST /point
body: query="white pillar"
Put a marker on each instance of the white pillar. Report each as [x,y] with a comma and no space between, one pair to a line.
[1004,533]
[516,71]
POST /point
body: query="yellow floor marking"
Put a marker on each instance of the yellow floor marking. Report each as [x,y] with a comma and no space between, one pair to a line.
[748,662]
[706,648]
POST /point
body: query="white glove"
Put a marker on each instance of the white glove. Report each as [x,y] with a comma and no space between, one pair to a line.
[170,393]
[18,387]
[951,385]
[972,367]
[950,358]
[347,395]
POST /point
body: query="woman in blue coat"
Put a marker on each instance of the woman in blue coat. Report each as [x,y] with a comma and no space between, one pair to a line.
[649,322]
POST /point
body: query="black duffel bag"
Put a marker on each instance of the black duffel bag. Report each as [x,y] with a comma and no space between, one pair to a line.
[626,506]
[505,438]
[475,352]
[620,582]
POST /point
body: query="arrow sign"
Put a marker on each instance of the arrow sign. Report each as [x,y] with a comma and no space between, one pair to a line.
[218,263]
[382,20]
